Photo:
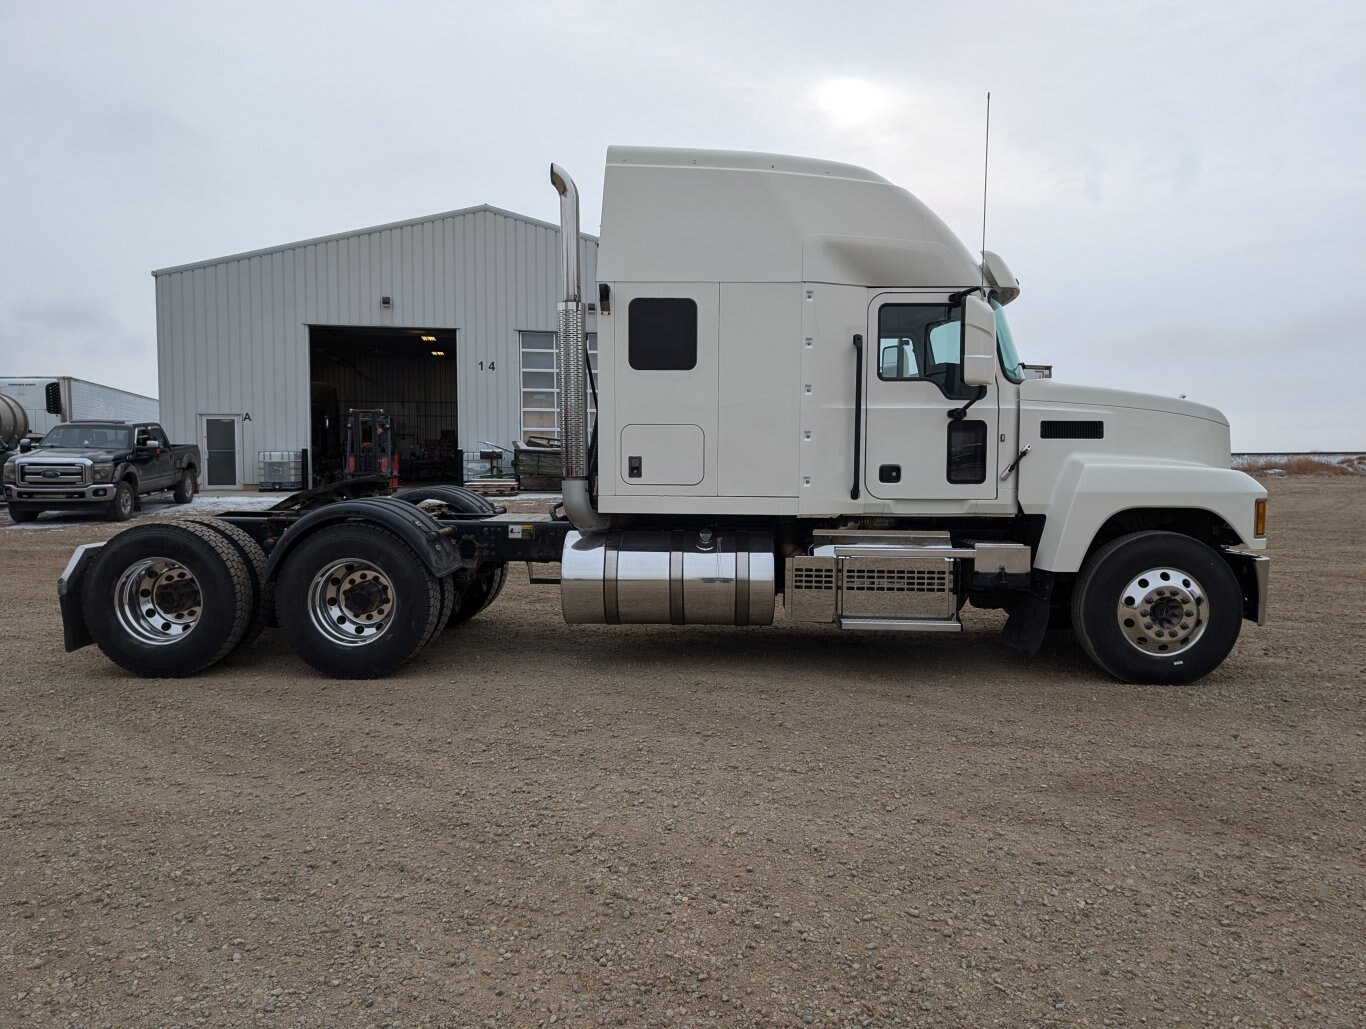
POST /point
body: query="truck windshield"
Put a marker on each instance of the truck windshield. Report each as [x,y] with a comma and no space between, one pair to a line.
[1005,343]
[102,437]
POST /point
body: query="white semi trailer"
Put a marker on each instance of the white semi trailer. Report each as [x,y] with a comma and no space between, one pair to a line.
[807,388]
[49,400]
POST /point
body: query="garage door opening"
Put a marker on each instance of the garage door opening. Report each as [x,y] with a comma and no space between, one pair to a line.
[407,373]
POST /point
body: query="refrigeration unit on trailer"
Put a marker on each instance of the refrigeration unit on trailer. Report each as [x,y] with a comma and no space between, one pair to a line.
[49,400]
[807,390]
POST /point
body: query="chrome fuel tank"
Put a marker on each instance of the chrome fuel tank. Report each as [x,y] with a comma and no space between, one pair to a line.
[668,577]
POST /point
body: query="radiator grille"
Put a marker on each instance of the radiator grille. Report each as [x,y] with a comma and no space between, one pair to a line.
[38,474]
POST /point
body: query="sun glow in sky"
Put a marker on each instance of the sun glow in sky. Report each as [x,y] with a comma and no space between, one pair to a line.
[850,103]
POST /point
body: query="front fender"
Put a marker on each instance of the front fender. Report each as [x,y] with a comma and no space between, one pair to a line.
[1088,492]
[411,524]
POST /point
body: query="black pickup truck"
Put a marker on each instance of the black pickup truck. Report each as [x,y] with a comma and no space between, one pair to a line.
[83,466]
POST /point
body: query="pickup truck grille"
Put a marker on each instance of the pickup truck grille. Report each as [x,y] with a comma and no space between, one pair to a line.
[71,474]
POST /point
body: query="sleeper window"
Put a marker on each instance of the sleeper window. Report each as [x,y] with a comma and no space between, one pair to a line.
[663,334]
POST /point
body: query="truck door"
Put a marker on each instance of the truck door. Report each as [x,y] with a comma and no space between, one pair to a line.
[913,362]
[153,469]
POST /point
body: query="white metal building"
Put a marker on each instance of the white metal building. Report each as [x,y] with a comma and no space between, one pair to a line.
[446,323]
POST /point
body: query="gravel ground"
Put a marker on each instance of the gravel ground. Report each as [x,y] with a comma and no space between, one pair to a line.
[536,824]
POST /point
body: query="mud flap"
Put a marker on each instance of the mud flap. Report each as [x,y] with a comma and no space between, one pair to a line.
[1028,621]
[75,634]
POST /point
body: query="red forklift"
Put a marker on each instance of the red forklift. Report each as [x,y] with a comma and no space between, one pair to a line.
[370,446]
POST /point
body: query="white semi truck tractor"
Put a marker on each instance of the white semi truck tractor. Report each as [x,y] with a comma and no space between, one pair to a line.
[807,390]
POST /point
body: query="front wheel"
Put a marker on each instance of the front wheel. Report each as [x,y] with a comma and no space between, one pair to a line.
[125,500]
[356,602]
[1157,607]
[20,515]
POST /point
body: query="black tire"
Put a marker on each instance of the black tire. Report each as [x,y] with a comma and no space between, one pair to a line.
[356,602]
[1157,608]
[478,594]
[459,499]
[196,588]
[262,592]
[21,515]
[125,502]
[187,487]
[450,597]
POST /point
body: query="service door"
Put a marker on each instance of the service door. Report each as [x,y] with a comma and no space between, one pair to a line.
[222,455]
[913,363]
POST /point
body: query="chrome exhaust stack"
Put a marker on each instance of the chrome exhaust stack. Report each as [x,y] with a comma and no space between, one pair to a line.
[569,357]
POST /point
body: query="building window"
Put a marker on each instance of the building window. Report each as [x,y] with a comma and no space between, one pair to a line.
[540,384]
[663,334]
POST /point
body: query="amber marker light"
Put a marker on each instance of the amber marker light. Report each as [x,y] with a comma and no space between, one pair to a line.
[1259,521]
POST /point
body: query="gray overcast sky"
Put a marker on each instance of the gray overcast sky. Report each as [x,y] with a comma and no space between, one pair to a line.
[1181,187]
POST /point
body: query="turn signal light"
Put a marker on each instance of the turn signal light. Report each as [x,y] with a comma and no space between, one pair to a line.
[1259,522]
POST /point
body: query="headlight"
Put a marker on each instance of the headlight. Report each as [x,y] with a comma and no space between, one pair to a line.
[102,472]
[11,471]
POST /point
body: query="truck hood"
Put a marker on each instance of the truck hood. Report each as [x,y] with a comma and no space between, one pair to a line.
[1050,391]
[69,453]
[1062,421]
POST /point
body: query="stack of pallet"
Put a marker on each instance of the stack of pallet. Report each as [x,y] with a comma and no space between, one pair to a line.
[538,463]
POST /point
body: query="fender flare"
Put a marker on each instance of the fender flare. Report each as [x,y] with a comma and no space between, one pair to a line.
[1088,492]
[409,523]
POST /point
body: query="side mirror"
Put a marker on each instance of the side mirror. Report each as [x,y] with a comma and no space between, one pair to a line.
[25,446]
[979,342]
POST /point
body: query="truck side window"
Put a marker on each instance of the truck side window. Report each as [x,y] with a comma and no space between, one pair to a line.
[142,437]
[663,334]
[923,342]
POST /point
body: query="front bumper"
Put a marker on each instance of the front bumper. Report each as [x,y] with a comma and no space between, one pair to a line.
[58,498]
[1254,575]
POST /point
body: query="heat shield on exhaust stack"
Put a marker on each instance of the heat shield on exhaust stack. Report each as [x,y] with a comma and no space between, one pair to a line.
[570,360]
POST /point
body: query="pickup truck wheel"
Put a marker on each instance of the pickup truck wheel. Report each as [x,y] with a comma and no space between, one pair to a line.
[186,488]
[21,515]
[124,502]
[1157,608]
[262,592]
[356,602]
[167,600]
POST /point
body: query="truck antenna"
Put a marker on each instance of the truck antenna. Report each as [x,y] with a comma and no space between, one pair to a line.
[986,160]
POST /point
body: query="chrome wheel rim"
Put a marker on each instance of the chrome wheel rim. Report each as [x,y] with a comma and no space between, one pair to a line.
[1163,612]
[352,602]
[158,601]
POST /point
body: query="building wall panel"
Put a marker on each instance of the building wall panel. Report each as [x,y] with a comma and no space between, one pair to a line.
[232,335]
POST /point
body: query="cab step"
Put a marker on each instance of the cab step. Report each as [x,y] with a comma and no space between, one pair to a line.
[863,622]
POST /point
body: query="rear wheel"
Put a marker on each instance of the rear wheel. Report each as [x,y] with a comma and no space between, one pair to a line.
[168,600]
[1157,607]
[478,594]
[481,590]
[262,592]
[186,488]
[356,602]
